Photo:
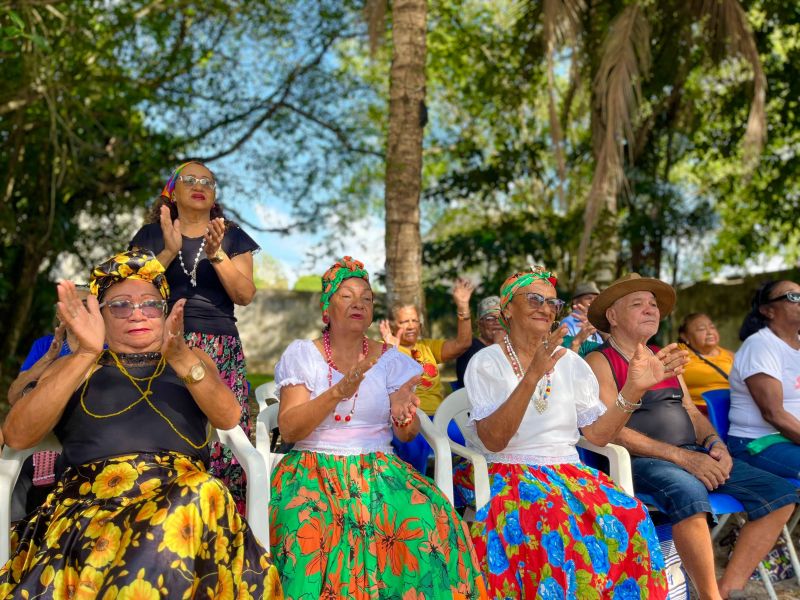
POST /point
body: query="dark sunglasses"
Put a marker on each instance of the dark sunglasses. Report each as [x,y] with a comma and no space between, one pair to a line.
[793,297]
[122,309]
[537,300]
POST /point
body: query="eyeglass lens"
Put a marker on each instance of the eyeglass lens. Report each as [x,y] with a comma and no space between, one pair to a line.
[204,181]
[122,309]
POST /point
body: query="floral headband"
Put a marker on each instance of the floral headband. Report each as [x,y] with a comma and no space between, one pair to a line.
[344,268]
[520,280]
[132,264]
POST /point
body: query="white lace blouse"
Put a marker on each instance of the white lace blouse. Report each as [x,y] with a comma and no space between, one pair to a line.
[369,429]
[542,439]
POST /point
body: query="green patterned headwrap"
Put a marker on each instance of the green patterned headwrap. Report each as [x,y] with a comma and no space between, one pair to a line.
[132,264]
[520,280]
[344,268]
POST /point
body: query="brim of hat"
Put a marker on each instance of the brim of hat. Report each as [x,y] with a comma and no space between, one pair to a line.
[663,292]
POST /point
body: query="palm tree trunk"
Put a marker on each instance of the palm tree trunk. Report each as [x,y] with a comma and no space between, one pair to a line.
[404,153]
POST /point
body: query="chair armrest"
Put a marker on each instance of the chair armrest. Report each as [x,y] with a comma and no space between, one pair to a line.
[443,462]
[480,470]
[264,423]
[619,461]
[10,466]
[255,468]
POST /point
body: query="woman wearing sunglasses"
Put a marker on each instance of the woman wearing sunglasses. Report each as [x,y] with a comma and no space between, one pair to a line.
[553,528]
[765,382]
[135,514]
[209,263]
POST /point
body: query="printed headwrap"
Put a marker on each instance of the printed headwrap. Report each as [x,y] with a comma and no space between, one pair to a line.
[170,187]
[133,264]
[519,280]
[344,268]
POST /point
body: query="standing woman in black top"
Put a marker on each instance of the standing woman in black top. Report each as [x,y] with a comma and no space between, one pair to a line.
[209,262]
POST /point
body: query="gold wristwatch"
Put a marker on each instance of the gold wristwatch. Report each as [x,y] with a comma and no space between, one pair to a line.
[218,256]
[195,374]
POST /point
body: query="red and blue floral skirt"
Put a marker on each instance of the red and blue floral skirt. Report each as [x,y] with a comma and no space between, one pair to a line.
[563,532]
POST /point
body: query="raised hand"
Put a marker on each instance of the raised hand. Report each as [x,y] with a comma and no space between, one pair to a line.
[404,402]
[171,230]
[348,385]
[173,344]
[587,330]
[214,235]
[546,355]
[647,369]
[58,342]
[462,292]
[388,336]
[85,322]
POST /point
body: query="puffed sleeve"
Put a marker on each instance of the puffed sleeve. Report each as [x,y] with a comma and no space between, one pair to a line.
[148,237]
[485,383]
[399,369]
[238,242]
[296,367]
[585,389]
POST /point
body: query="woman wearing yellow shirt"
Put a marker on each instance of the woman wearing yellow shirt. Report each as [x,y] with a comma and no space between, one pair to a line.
[709,364]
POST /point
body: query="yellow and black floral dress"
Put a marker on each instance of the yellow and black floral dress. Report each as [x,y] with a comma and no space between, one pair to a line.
[136,514]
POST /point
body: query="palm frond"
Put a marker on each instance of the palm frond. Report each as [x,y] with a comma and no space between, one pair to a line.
[375,16]
[727,23]
[562,19]
[617,94]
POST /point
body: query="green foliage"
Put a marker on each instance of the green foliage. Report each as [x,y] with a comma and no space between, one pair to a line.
[269,273]
[307,283]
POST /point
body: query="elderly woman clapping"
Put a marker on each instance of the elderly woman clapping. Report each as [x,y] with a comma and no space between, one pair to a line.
[553,528]
[136,514]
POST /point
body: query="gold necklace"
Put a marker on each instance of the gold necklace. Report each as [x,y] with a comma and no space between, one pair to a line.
[144,395]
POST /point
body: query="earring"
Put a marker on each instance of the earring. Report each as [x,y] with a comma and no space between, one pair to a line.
[172,197]
[325,318]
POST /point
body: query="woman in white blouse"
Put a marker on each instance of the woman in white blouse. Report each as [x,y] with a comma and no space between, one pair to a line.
[349,519]
[554,528]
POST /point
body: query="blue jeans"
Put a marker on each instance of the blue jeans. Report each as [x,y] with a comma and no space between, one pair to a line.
[781,459]
[679,494]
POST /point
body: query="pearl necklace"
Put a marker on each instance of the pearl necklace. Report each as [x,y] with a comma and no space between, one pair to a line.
[543,387]
[326,346]
[192,275]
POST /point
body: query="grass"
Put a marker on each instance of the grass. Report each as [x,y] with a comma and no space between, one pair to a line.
[256,379]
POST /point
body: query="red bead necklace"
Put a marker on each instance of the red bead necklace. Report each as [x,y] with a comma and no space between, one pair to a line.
[326,346]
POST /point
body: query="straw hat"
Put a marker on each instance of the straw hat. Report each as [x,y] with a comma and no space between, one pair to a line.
[632,282]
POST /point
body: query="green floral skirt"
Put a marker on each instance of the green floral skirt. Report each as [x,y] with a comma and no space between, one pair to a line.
[367,526]
[140,526]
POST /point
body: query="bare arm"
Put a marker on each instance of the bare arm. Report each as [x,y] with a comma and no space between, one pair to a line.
[767,392]
[299,415]
[36,413]
[497,429]
[16,388]
[454,348]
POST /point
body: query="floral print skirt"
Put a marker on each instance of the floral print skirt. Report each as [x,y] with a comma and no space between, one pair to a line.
[367,526]
[226,351]
[137,526]
[563,532]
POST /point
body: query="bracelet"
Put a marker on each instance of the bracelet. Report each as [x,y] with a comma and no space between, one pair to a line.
[709,437]
[711,445]
[463,316]
[626,406]
[400,424]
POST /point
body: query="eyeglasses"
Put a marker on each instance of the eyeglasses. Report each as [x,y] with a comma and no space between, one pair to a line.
[793,297]
[122,309]
[537,300]
[490,319]
[190,180]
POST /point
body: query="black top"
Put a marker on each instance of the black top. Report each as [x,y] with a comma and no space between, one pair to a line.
[208,308]
[86,439]
[463,360]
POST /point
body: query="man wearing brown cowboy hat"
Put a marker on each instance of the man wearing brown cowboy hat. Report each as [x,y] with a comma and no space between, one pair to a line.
[677,456]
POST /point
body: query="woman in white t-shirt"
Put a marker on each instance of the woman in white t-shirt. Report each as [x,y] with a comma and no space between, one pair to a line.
[554,528]
[765,382]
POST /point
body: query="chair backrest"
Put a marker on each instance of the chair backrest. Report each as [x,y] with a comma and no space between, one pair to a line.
[454,408]
[265,392]
[719,403]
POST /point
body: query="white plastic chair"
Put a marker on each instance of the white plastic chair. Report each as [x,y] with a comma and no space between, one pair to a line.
[456,407]
[264,392]
[252,461]
[443,462]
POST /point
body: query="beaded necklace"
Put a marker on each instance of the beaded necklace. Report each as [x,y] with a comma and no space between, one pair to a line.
[192,275]
[144,396]
[543,387]
[326,346]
